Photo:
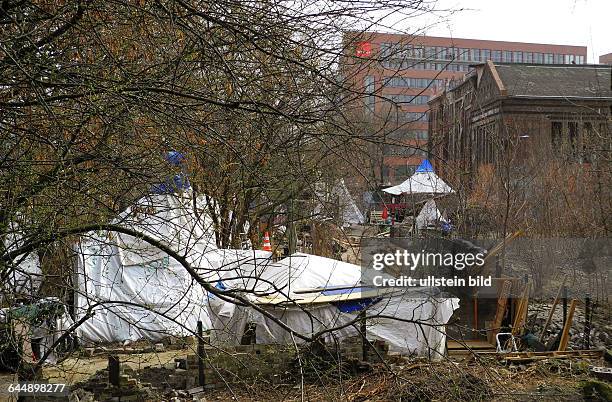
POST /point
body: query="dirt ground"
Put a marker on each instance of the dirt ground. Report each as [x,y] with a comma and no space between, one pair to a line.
[77,369]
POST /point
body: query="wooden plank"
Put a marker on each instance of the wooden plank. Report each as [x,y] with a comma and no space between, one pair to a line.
[469,344]
[565,334]
[320,299]
[553,308]
[502,302]
[521,314]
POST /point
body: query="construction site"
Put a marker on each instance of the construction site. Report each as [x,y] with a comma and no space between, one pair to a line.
[303,201]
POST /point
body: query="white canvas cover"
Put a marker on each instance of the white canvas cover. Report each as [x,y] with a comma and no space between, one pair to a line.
[429,216]
[423,181]
[290,277]
[145,294]
[26,277]
[350,214]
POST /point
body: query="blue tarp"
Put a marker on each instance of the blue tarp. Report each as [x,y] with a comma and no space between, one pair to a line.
[425,166]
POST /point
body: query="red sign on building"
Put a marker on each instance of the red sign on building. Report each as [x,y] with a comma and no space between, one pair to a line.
[363,49]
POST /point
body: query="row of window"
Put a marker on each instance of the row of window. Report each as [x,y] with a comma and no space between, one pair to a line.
[403,150]
[398,64]
[412,99]
[406,51]
[408,134]
[406,82]
[407,117]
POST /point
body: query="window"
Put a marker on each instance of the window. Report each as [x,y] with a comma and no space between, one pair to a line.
[406,82]
[475,54]
[507,56]
[422,135]
[556,133]
[412,99]
[486,54]
[580,60]
[496,55]
[410,117]
[537,58]
[369,90]
[573,135]
[517,57]
[548,59]
[464,54]
[528,57]
[558,58]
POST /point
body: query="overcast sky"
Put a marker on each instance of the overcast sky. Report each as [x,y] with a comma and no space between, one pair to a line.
[560,22]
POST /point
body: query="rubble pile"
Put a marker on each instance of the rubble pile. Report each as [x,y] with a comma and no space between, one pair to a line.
[600,333]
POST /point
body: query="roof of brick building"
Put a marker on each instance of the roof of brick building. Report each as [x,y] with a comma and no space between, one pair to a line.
[556,81]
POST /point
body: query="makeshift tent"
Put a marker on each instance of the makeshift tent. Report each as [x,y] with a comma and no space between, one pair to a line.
[134,289]
[423,181]
[310,293]
[429,216]
[338,197]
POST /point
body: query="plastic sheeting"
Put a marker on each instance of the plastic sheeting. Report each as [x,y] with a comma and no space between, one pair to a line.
[411,322]
[135,290]
[429,216]
[338,197]
[26,277]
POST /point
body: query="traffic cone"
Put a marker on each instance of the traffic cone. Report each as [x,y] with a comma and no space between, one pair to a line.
[267,246]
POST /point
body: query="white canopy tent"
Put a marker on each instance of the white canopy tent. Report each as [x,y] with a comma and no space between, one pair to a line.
[423,181]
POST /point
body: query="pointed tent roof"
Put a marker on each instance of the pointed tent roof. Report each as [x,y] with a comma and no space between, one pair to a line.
[423,181]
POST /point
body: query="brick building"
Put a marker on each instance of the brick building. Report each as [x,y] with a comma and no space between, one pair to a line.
[542,109]
[400,73]
[605,59]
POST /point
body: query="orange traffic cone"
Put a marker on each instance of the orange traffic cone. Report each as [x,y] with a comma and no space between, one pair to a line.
[267,246]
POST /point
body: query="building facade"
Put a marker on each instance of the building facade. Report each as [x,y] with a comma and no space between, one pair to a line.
[605,59]
[529,110]
[399,74]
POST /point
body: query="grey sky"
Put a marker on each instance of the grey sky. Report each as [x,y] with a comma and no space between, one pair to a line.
[562,22]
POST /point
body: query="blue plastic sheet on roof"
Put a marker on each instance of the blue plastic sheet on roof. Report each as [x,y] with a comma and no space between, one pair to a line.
[425,166]
[178,182]
[350,306]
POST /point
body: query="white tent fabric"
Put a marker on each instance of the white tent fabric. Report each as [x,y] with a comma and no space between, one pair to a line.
[429,215]
[299,272]
[339,197]
[423,181]
[26,278]
[143,292]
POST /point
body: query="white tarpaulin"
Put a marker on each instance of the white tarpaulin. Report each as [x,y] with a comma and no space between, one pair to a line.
[423,181]
[429,216]
[26,277]
[296,279]
[338,197]
[145,293]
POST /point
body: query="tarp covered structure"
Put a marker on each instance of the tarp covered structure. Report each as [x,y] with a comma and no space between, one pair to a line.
[134,289]
[423,181]
[26,277]
[311,294]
